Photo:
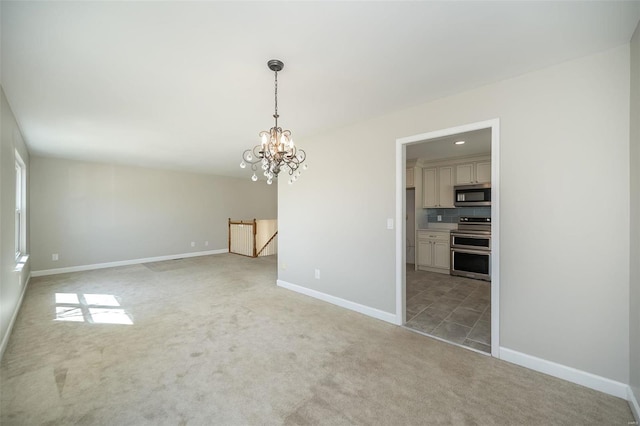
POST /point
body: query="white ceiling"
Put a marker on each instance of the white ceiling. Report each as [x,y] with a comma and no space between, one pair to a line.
[477,142]
[185,85]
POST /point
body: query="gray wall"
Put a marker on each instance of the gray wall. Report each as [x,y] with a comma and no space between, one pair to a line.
[564,167]
[634,291]
[92,213]
[11,282]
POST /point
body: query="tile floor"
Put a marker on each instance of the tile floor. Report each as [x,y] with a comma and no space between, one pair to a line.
[456,309]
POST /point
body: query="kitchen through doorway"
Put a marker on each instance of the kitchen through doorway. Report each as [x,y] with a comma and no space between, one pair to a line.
[449,277]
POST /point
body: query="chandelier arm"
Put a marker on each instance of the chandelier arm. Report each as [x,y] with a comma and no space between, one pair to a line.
[252,159]
[258,153]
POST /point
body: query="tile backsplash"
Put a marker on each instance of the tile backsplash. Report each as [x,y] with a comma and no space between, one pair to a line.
[452,215]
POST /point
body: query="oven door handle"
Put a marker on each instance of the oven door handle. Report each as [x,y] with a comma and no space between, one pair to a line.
[469,251]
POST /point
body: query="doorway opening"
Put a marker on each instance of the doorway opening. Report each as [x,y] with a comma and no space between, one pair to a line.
[443,288]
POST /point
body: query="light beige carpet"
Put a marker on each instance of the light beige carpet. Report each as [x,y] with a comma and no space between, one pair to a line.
[215,342]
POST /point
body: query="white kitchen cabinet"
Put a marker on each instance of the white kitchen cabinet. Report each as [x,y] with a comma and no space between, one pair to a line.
[433,251]
[410,178]
[424,253]
[473,172]
[483,172]
[464,174]
[429,187]
[442,254]
[437,187]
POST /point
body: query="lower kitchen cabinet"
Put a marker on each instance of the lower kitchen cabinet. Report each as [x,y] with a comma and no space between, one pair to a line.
[433,251]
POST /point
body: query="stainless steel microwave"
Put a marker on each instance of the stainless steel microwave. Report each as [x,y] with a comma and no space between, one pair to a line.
[472,195]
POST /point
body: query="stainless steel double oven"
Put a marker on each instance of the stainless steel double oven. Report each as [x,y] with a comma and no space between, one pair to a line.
[471,248]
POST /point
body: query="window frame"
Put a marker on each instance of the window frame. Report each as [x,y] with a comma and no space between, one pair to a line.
[20,207]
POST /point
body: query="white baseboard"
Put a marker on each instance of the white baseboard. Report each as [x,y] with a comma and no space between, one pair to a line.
[7,334]
[569,374]
[633,403]
[366,310]
[124,262]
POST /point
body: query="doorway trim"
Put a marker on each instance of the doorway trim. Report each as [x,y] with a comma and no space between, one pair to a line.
[401,255]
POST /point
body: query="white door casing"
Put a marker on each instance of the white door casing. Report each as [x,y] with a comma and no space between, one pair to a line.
[401,144]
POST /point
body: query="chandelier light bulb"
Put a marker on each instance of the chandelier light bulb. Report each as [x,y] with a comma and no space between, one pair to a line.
[269,181]
[249,157]
[254,177]
[305,167]
[243,165]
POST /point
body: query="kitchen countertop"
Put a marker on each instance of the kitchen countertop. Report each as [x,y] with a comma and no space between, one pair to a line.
[440,227]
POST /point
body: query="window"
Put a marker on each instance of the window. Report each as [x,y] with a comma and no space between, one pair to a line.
[21,217]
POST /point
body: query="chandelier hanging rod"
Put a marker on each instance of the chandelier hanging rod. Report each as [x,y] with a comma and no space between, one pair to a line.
[276,66]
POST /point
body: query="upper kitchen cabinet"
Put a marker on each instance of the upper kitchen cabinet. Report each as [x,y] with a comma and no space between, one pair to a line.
[412,173]
[473,172]
[437,187]
[410,178]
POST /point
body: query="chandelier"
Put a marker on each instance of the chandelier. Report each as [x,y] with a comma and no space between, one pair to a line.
[276,151]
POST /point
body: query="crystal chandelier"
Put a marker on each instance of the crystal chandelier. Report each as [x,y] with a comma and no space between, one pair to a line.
[276,151]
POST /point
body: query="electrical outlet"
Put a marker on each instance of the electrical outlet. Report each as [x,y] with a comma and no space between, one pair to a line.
[206,243]
[317,274]
[283,266]
[193,243]
[54,257]
[390,223]
[439,218]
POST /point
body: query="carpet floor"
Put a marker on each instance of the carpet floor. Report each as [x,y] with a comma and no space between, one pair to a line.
[213,341]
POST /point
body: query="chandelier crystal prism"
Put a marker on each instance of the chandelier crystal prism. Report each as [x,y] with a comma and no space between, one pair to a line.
[276,151]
